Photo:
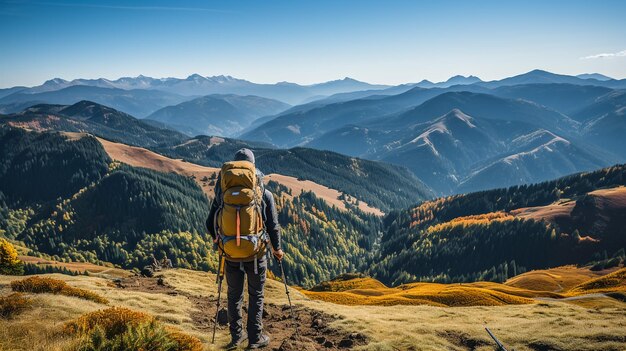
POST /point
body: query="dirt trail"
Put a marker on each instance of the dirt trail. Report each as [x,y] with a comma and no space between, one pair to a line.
[313,326]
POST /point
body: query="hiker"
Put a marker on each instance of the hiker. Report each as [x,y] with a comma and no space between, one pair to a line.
[242,220]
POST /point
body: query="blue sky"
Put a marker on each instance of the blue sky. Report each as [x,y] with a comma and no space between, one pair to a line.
[308,41]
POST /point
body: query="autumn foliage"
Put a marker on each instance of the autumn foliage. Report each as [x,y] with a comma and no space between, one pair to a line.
[42,285]
[13,304]
[9,263]
[120,328]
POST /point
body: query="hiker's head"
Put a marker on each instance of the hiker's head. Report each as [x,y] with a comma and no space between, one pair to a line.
[244,155]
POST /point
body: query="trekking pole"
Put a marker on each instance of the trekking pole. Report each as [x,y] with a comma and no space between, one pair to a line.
[293,316]
[498,343]
[220,278]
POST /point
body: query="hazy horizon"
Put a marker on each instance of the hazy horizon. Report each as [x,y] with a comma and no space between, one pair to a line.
[307,43]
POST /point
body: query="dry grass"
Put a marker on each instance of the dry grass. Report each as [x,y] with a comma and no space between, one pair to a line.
[560,279]
[185,341]
[550,213]
[140,157]
[336,285]
[613,198]
[13,305]
[612,282]
[433,294]
[43,285]
[39,328]
[113,321]
[331,196]
[116,321]
[594,323]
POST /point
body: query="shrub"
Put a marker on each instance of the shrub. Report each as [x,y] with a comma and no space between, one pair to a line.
[147,336]
[13,305]
[39,285]
[9,263]
[113,321]
[184,341]
[122,329]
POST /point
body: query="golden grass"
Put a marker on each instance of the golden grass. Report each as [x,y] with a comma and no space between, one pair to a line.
[559,279]
[113,321]
[481,219]
[336,285]
[39,328]
[116,321]
[612,282]
[451,295]
[331,196]
[613,197]
[140,157]
[42,285]
[185,341]
[585,324]
[550,213]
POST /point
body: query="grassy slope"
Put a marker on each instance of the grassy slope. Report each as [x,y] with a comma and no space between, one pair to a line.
[557,280]
[559,325]
[140,157]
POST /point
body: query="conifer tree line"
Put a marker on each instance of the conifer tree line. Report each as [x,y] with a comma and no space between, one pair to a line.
[381,185]
[472,237]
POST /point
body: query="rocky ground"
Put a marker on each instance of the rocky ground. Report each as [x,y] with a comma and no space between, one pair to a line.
[313,329]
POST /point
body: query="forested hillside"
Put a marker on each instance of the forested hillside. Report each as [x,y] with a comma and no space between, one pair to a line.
[116,213]
[381,185]
[66,198]
[87,116]
[322,241]
[490,235]
[63,196]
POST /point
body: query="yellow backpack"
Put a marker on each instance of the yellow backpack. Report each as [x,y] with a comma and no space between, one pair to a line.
[239,219]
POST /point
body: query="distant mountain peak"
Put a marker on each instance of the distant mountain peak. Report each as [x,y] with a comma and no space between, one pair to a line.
[55,81]
[195,77]
[539,72]
[456,115]
[458,76]
[596,76]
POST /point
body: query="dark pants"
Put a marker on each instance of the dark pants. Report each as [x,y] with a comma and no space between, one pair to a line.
[256,283]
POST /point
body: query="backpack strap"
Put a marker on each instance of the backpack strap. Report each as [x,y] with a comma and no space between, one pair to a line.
[238,226]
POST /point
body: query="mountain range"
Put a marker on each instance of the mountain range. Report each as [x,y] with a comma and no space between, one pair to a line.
[196,85]
[467,137]
[217,114]
[88,198]
[460,135]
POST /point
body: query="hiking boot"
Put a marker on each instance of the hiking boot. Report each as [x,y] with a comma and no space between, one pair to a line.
[264,340]
[234,343]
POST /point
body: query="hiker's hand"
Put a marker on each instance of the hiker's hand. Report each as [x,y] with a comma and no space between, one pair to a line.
[279,254]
